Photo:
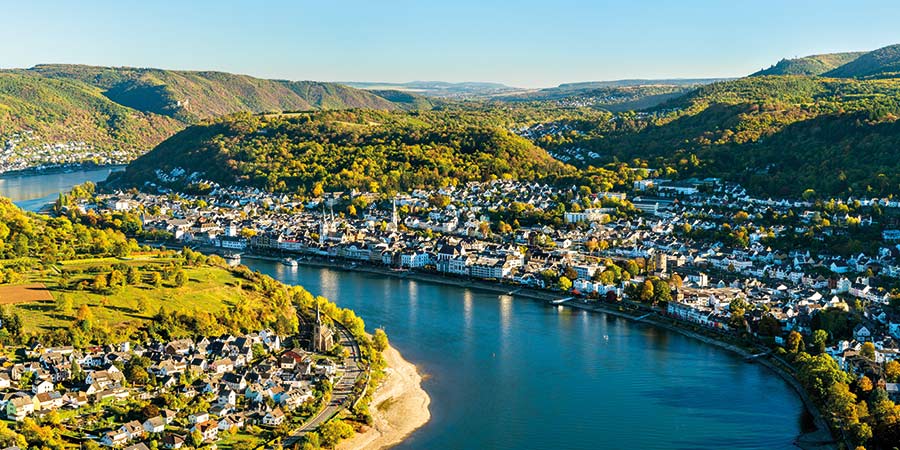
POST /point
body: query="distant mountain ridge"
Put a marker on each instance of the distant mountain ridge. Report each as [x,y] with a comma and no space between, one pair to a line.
[190,96]
[63,114]
[883,62]
[615,95]
[438,89]
[810,65]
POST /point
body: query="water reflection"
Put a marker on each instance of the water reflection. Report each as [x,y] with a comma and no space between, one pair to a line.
[32,192]
[505,321]
[509,373]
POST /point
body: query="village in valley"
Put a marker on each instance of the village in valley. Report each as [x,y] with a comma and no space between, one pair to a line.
[704,251]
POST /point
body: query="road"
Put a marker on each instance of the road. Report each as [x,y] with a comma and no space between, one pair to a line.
[341,393]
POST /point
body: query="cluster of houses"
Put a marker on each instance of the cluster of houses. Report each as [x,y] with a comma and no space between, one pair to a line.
[247,380]
[412,232]
[25,150]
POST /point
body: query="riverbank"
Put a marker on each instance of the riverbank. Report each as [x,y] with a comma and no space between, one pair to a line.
[483,285]
[818,439]
[65,168]
[399,406]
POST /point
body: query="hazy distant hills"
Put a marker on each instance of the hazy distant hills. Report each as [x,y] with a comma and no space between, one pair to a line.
[617,95]
[439,89]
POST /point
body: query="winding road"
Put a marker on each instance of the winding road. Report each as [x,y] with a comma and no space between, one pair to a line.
[342,391]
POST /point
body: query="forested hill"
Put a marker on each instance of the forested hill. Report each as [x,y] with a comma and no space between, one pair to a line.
[340,150]
[61,114]
[59,111]
[189,96]
[881,63]
[810,65]
[780,135]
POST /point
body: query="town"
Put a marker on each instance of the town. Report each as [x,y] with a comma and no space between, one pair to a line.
[27,151]
[184,392]
[697,247]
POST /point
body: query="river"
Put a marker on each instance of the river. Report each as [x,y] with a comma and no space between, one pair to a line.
[512,373]
[32,191]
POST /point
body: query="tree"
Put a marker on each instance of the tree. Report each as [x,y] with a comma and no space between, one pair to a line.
[662,292]
[864,384]
[116,279]
[333,431]
[868,350]
[632,268]
[675,280]
[820,339]
[196,439]
[64,304]
[892,371]
[769,326]
[794,342]
[133,276]
[180,278]
[84,313]
[484,228]
[565,284]
[156,279]
[646,293]
[380,340]
[99,284]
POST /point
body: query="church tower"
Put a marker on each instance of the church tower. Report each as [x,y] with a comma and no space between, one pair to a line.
[395,219]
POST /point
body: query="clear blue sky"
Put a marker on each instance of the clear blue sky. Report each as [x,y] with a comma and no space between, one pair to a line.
[526,43]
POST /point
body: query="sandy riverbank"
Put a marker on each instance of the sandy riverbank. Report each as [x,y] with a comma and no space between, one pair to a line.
[399,406]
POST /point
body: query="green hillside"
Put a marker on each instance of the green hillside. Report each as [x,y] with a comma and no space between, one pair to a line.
[189,96]
[366,150]
[884,62]
[778,135]
[621,95]
[810,65]
[62,114]
[66,110]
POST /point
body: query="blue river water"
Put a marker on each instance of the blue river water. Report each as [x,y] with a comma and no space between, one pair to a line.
[512,373]
[33,191]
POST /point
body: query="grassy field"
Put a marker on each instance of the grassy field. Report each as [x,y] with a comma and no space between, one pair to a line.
[242,439]
[207,289]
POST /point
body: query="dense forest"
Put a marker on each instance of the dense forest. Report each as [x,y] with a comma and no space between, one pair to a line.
[780,135]
[364,150]
[25,236]
[810,65]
